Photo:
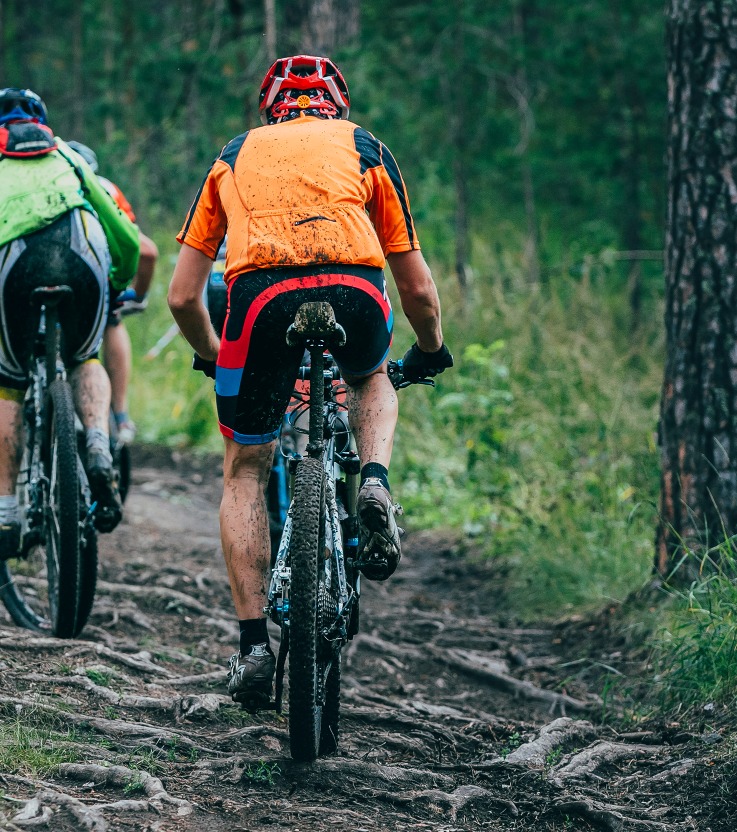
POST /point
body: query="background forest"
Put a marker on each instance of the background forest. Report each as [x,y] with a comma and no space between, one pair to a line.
[531,135]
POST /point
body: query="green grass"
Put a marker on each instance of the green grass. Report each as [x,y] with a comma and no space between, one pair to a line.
[696,650]
[99,677]
[34,750]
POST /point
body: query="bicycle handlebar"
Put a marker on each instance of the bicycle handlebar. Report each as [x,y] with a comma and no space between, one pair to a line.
[396,376]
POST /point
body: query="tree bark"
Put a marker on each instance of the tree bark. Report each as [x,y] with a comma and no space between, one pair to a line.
[323,25]
[270,30]
[698,420]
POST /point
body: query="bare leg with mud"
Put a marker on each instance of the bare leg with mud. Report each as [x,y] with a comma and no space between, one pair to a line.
[91,389]
[244,525]
[10,445]
[372,412]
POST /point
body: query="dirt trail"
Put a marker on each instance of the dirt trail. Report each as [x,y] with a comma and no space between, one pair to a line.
[450,721]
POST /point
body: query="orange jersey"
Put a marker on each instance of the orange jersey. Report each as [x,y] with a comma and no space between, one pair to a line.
[297,194]
[118,197]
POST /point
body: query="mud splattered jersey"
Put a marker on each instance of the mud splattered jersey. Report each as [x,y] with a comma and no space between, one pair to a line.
[307,191]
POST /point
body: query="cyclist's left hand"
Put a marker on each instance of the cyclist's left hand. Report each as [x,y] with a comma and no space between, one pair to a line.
[204,366]
[129,303]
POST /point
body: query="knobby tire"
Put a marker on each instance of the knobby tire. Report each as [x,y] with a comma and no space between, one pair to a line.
[63,555]
[305,715]
[331,710]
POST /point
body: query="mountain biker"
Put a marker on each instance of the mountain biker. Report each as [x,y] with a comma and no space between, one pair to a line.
[293,196]
[57,226]
[116,343]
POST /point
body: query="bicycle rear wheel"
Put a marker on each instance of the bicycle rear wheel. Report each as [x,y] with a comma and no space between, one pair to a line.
[63,556]
[305,713]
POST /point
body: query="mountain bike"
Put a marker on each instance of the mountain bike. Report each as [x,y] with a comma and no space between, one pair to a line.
[315,583]
[56,570]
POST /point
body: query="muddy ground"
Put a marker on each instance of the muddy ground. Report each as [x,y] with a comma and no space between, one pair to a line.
[454,717]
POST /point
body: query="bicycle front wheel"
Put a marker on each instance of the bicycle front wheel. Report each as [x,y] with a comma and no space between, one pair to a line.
[305,711]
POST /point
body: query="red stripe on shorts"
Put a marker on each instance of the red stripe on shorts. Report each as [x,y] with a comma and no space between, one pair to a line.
[233,354]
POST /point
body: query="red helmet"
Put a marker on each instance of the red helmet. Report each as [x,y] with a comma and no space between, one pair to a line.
[303,83]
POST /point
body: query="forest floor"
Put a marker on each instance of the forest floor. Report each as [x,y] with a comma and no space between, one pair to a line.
[454,716]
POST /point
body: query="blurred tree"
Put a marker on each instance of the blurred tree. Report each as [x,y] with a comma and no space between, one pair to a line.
[698,423]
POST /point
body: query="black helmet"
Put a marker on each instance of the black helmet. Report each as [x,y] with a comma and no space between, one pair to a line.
[87,153]
[21,105]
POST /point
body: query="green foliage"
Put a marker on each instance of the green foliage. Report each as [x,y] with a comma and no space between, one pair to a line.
[539,443]
[513,741]
[261,773]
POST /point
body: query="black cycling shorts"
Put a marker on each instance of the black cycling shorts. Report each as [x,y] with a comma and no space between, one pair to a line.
[71,251]
[256,369]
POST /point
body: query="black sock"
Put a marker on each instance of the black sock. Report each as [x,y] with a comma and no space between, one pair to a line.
[375,469]
[253,631]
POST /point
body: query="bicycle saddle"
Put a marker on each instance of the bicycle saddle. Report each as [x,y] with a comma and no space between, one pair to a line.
[50,295]
[315,322]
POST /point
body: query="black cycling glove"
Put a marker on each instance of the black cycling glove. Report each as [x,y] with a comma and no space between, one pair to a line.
[417,364]
[206,367]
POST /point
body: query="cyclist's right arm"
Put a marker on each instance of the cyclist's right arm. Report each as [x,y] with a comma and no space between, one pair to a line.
[121,233]
[418,296]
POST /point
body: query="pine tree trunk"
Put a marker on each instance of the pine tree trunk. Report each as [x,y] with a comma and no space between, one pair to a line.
[698,423]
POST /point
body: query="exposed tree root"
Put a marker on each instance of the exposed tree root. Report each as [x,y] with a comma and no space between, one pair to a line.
[173,597]
[196,705]
[612,817]
[73,647]
[369,778]
[123,777]
[586,762]
[198,679]
[115,728]
[455,802]
[551,738]
[38,812]
[488,669]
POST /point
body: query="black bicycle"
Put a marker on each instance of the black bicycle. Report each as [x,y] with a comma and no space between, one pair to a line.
[315,581]
[52,586]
